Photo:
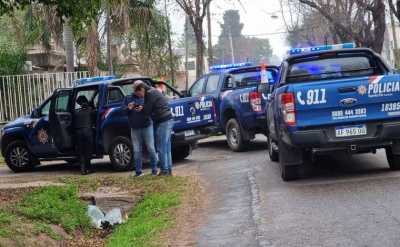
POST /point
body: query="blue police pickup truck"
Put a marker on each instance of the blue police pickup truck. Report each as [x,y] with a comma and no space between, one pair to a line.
[239,108]
[47,133]
[335,100]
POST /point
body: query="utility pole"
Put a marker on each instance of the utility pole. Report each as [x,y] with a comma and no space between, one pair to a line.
[230,39]
[210,53]
[186,53]
[110,65]
[396,51]
[171,63]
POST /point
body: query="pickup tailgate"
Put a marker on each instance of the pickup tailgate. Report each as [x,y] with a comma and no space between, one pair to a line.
[347,101]
[192,113]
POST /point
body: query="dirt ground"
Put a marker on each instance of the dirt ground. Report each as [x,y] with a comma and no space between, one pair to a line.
[191,213]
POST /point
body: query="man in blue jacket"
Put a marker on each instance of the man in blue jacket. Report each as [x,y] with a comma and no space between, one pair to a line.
[141,130]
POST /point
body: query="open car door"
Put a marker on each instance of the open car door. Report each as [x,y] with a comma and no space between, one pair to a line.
[61,120]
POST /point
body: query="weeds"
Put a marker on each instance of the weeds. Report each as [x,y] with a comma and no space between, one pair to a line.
[38,210]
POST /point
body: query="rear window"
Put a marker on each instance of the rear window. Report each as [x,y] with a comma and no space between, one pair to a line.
[330,68]
[252,78]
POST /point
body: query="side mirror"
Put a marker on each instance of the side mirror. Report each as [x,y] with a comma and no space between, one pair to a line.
[263,88]
[35,113]
[184,93]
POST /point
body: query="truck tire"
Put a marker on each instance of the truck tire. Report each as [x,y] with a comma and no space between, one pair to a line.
[288,172]
[234,136]
[121,154]
[181,152]
[393,159]
[18,157]
[273,155]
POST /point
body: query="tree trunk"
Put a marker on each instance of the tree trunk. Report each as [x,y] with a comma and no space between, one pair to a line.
[92,50]
[68,45]
[198,31]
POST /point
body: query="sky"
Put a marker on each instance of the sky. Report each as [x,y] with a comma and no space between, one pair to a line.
[254,14]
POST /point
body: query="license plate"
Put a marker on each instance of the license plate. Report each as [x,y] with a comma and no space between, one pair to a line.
[353,130]
[189,133]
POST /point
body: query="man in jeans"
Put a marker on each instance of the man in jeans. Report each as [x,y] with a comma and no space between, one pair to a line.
[141,129]
[156,106]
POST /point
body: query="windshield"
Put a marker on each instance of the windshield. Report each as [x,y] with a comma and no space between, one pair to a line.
[330,67]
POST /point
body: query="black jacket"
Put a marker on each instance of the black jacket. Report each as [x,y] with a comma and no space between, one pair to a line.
[156,105]
[84,117]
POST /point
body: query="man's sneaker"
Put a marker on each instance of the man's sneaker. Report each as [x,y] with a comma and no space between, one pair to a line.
[154,173]
[139,175]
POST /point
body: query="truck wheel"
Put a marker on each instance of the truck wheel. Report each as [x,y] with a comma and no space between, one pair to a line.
[181,152]
[18,158]
[288,172]
[273,155]
[121,154]
[234,136]
[393,159]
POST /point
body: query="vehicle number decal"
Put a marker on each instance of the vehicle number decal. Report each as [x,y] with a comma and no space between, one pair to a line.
[314,97]
[178,111]
[244,98]
[392,108]
[349,113]
[207,117]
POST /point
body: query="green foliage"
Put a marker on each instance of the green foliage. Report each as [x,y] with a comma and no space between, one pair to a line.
[75,9]
[12,60]
[245,49]
[43,228]
[6,219]
[230,27]
[55,204]
[118,70]
[2,161]
[151,216]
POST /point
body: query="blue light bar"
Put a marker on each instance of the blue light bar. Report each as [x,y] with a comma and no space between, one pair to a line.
[92,79]
[230,66]
[321,48]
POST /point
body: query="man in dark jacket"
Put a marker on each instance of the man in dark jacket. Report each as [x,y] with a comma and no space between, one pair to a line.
[157,107]
[141,130]
[83,124]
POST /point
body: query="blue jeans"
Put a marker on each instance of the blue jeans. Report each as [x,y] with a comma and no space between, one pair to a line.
[137,137]
[163,144]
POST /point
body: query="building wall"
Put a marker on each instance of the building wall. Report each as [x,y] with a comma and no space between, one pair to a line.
[181,75]
[389,44]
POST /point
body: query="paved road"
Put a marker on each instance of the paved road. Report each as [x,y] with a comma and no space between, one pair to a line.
[350,202]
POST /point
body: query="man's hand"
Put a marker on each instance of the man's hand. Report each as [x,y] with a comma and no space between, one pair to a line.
[131,105]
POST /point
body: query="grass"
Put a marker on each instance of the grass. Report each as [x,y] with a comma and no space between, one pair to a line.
[47,206]
[55,204]
[2,162]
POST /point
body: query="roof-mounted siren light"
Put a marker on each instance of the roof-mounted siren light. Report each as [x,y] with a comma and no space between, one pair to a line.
[230,66]
[93,79]
[321,48]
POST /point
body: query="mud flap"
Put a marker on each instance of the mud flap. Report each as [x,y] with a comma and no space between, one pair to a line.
[291,156]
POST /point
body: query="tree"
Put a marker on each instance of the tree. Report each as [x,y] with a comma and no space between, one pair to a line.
[363,21]
[245,49]
[196,11]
